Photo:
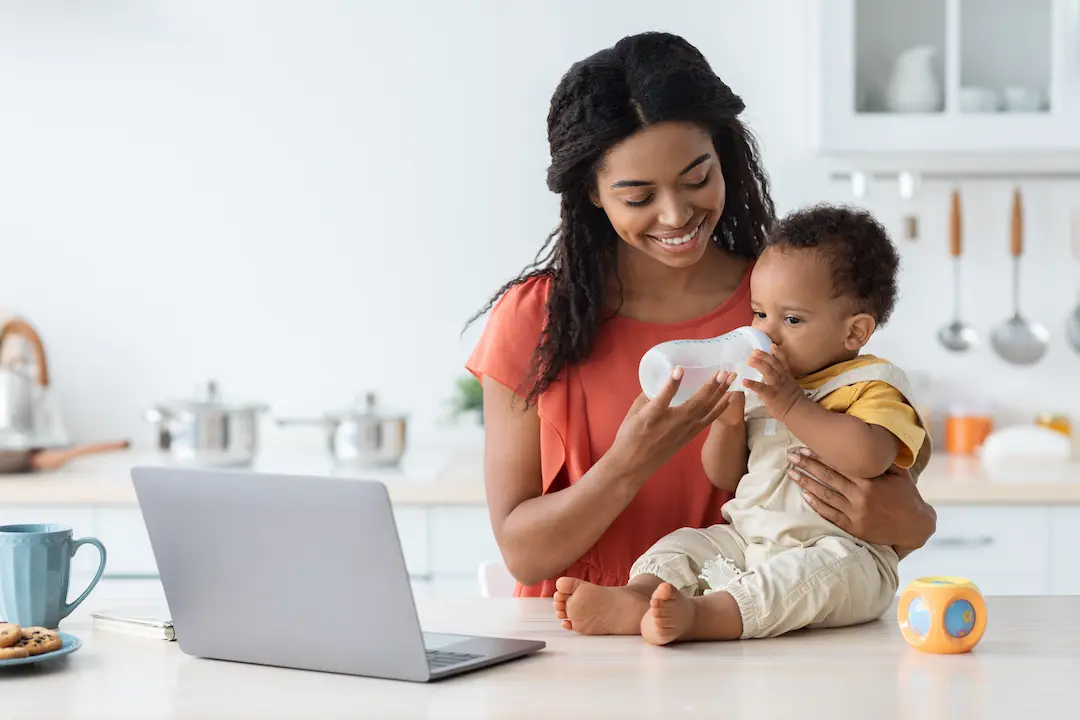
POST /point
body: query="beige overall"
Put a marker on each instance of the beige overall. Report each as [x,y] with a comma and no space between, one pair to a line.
[786,566]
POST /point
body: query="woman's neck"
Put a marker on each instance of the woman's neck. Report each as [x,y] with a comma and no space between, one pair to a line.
[647,290]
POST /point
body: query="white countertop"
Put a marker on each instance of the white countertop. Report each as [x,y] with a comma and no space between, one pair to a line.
[449,477]
[1027,665]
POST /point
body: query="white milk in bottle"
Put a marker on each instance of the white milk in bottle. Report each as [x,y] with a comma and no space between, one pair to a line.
[700,361]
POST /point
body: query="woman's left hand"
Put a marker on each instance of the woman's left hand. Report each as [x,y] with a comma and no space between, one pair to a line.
[886,510]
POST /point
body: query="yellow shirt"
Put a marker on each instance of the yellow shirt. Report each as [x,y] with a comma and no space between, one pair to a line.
[875,403]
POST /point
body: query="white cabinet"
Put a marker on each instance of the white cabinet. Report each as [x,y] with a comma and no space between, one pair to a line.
[973,76]
[1065,551]
[443,546]
[1003,550]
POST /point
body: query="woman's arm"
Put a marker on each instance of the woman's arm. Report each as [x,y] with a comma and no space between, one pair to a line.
[542,535]
[886,510]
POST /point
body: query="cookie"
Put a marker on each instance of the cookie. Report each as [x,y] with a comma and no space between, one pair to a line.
[13,653]
[39,640]
[10,634]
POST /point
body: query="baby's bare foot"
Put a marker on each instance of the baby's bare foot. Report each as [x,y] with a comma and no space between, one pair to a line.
[597,610]
[669,617]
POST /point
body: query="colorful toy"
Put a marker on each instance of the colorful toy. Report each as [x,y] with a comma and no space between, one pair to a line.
[942,615]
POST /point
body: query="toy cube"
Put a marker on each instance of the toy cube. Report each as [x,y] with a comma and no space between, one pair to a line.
[942,615]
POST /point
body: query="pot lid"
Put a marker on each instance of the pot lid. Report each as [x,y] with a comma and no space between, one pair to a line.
[367,407]
[209,398]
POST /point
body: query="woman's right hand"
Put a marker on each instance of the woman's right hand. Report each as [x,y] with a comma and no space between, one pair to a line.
[653,431]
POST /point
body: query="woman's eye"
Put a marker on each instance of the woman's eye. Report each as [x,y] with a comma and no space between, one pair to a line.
[792,320]
[703,183]
[638,203]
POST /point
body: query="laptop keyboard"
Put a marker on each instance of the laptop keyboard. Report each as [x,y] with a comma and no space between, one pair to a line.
[438,659]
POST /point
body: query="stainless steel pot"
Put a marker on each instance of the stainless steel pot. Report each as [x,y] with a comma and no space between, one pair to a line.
[208,432]
[361,435]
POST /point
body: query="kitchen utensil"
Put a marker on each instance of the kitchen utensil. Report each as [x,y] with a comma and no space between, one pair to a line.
[1072,320]
[18,394]
[206,431]
[1019,341]
[361,435]
[19,460]
[957,336]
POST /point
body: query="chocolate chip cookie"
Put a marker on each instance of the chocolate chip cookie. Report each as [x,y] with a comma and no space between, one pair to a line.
[10,635]
[39,640]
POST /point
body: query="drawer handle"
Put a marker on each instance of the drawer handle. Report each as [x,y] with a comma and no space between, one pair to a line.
[960,541]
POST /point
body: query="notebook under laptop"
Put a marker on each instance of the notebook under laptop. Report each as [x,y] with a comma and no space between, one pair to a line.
[295,571]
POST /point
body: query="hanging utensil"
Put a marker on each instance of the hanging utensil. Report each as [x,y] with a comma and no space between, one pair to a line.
[1072,321]
[1019,341]
[957,336]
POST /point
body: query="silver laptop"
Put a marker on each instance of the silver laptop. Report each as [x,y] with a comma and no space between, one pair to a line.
[295,571]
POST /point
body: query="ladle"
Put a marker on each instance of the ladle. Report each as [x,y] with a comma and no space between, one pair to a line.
[1072,320]
[1018,340]
[957,336]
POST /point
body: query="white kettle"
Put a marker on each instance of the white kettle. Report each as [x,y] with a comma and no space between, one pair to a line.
[913,86]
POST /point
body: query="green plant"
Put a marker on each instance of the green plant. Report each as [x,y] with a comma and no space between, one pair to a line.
[468,396]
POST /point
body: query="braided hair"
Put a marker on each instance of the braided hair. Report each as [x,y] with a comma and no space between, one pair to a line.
[643,80]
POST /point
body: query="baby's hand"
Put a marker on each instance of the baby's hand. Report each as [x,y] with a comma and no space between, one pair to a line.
[733,415]
[778,390]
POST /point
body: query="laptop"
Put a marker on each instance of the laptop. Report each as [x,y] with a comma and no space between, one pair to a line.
[296,571]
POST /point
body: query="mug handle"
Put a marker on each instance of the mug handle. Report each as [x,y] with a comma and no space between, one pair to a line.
[69,607]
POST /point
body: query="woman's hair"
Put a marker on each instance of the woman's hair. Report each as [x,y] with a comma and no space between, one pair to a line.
[643,80]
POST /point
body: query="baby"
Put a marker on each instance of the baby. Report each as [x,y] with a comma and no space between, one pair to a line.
[822,286]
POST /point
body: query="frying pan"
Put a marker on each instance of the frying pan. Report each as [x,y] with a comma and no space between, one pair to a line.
[22,460]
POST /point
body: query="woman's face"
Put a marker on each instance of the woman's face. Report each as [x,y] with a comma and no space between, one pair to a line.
[663,191]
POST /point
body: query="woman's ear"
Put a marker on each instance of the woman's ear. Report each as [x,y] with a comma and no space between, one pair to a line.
[594,197]
[860,328]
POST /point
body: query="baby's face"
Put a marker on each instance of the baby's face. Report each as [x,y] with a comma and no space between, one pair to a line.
[791,292]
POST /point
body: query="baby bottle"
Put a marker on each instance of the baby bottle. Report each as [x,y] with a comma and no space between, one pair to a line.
[700,361]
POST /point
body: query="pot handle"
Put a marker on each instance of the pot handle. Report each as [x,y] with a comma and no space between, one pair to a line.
[286,422]
[18,326]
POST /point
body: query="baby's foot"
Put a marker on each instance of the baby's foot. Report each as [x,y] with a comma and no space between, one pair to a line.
[596,610]
[669,617]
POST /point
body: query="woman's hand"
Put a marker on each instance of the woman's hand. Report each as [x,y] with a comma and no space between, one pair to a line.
[886,510]
[653,431]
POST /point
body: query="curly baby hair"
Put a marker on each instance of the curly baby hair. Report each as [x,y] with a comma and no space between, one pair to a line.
[864,260]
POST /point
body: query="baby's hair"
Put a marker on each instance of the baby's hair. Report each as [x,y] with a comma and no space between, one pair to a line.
[864,260]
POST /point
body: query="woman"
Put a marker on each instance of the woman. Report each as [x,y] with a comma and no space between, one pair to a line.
[664,207]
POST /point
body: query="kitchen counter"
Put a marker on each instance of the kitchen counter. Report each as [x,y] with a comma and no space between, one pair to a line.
[1025,666]
[456,478]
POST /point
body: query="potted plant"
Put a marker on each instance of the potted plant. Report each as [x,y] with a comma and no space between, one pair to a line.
[468,399]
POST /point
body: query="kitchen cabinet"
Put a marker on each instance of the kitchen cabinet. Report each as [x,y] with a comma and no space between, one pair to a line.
[443,546]
[1005,74]
[1065,551]
[1004,550]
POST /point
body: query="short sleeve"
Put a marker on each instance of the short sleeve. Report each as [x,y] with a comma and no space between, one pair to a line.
[506,348]
[881,404]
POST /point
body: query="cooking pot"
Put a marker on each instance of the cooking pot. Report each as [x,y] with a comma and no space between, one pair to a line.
[205,431]
[361,435]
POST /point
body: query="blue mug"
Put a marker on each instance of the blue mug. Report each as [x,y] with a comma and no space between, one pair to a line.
[35,565]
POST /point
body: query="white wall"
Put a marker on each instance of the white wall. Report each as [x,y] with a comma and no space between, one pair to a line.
[265,193]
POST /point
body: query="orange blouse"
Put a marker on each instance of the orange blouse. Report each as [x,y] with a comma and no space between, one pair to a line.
[581,412]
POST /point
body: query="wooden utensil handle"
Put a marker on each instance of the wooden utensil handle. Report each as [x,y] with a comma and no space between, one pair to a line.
[53,459]
[1017,246]
[954,225]
[20,327]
